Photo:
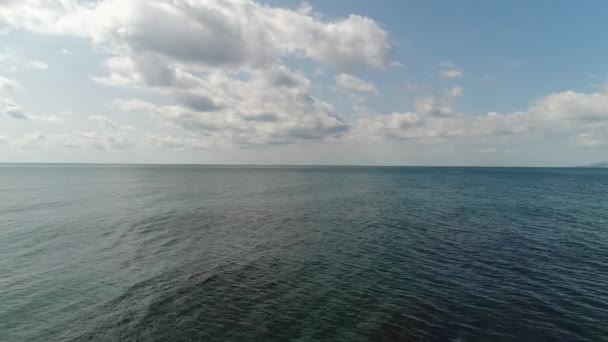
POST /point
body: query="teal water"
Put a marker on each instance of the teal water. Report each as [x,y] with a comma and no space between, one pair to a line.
[178,253]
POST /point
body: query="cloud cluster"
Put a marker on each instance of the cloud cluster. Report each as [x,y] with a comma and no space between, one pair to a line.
[557,113]
[113,139]
[439,106]
[350,82]
[220,69]
[273,107]
[207,33]
[219,61]
[84,139]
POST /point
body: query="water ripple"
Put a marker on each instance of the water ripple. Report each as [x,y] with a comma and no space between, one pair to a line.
[341,254]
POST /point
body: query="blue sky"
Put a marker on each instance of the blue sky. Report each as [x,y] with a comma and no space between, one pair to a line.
[319,82]
[512,52]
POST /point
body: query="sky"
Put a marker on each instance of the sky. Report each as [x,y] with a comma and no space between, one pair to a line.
[483,83]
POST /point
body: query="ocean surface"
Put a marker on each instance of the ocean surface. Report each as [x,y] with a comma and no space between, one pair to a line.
[180,253]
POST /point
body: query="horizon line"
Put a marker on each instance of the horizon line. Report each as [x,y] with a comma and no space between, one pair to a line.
[295,165]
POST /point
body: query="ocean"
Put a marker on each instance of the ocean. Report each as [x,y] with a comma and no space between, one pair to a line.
[221,253]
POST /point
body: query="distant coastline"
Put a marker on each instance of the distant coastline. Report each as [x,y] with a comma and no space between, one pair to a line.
[598,165]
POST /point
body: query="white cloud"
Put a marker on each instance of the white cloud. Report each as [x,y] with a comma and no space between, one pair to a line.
[8,84]
[164,142]
[133,105]
[439,106]
[417,126]
[220,62]
[450,70]
[218,67]
[66,52]
[104,121]
[80,140]
[37,65]
[375,126]
[9,108]
[454,73]
[597,138]
[350,82]
[573,106]
[209,33]
[272,105]
[228,126]
[563,112]
[264,110]
[106,140]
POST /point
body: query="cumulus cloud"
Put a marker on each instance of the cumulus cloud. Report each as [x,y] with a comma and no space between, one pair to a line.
[255,112]
[8,84]
[209,32]
[439,106]
[573,106]
[350,82]
[13,110]
[196,102]
[273,105]
[104,121]
[217,70]
[435,118]
[220,62]
[413,125]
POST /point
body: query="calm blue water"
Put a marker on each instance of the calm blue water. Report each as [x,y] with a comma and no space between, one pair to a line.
[115,253]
